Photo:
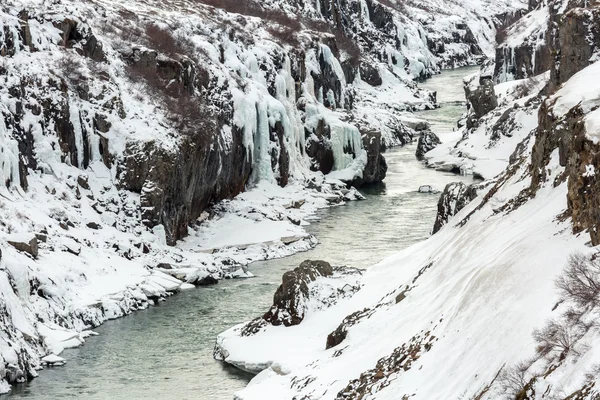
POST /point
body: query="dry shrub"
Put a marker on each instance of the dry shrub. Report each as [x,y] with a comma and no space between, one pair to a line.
[164,42]
[512,380]
[557,336]
[253,8]
[189,114]
[580,282]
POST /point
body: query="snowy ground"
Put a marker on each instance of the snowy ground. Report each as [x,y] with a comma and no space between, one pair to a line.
[486,150]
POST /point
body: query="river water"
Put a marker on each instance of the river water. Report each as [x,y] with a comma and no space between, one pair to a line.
[165,352]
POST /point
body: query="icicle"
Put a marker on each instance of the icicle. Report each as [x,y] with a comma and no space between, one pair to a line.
[9,158]
[76,122]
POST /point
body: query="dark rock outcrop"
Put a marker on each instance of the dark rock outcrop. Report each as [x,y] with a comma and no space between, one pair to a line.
[575,38]
[27,244]
[427,142]
[289,301]
[370,74]
[454,198]
[177,187]
[376,167]
[480,101]
[319,149]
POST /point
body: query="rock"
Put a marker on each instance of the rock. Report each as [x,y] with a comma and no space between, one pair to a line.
[454,198]
[427,142]
[42,237]
[416,124]
[291,239]
[83,182]
[93,225]
[577,40]
[206,281]
[164,266]
[93,49]
[426,189]
[71,246]
[370,74]
[318,148]
[289,301]
[27,243]
[53,359]
[480,101]
[376,167]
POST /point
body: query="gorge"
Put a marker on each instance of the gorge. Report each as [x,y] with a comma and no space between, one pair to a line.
[150,147]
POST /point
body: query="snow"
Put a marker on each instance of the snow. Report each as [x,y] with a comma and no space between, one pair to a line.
[85,276]
[480,289]
[477,152]
[52,359]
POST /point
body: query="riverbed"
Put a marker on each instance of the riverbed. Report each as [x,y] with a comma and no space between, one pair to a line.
[165,352]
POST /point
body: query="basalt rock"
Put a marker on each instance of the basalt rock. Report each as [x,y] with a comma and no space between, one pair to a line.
[454,198]
[376,167]
[427,142]
[575,41]
[289,302]
[27,244]
[582,168]
[480,101]
[370,74]
[319,149]
[177,186]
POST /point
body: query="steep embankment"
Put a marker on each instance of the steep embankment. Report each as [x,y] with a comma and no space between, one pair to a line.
[502,301]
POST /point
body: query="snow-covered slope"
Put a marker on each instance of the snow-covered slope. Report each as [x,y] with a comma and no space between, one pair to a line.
[502,302]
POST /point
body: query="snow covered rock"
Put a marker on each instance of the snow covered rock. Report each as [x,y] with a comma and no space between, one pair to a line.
[289,301]
[427,142]
[53,359]
[24,242]
[525,52]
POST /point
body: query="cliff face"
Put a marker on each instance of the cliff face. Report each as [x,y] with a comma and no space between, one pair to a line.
[199,86]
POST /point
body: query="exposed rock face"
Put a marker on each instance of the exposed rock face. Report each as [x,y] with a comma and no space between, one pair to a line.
[575,37]
[176,187]
[376,167]
[370,74]
[290,298]
[481,100]
[454,198]
[583,167]
[427,142]
[523,61]
[574,41]
[319,148]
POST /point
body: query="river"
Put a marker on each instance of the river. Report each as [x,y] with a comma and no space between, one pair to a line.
[165,352]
